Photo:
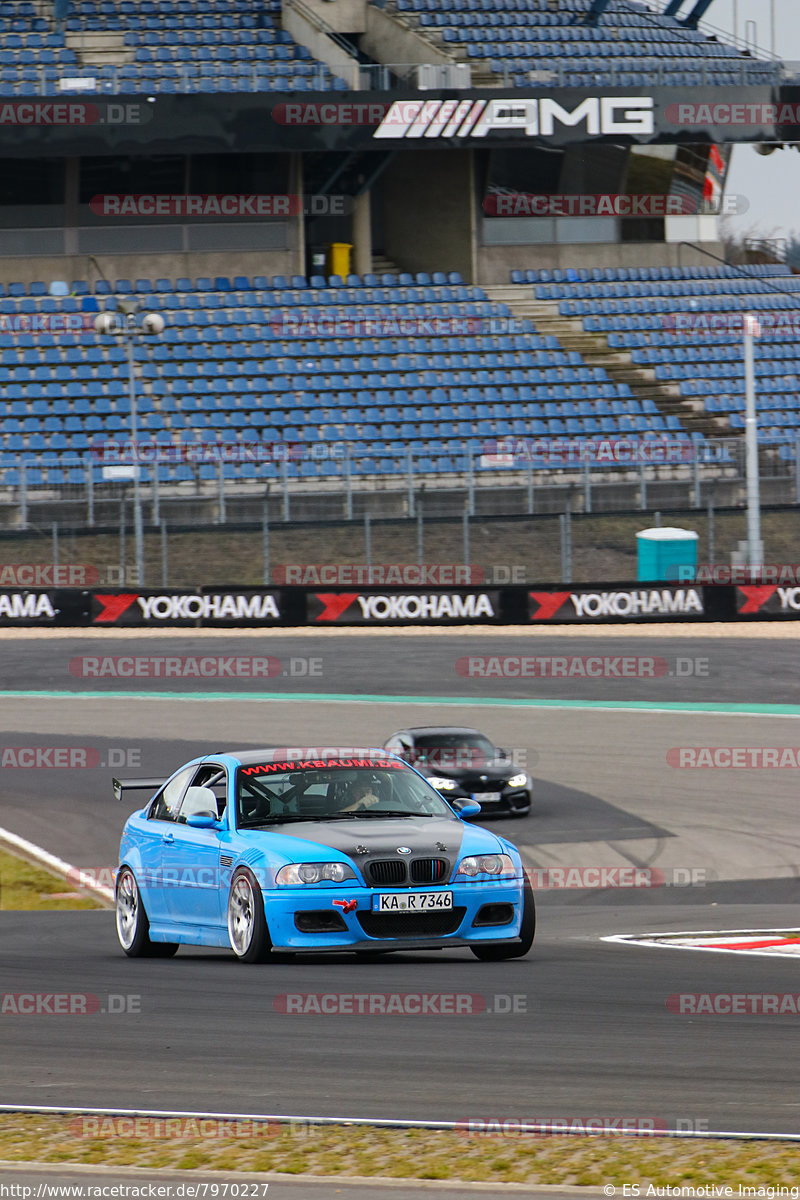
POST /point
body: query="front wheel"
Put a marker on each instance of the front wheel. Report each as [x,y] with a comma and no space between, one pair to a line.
[247,924]
[133,927]
[523,944]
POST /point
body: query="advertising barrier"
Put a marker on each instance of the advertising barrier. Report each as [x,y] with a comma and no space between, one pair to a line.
[258,608]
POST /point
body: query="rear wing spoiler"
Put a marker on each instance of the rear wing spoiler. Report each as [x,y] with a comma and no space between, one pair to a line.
[131,785]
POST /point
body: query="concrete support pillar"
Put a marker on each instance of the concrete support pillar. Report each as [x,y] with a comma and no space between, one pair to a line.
[72,185]
[297,240]
[362,235]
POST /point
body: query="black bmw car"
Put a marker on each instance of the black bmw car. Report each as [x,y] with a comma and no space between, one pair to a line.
[463,764]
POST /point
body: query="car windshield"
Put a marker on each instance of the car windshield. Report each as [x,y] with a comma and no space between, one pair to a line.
[272,793]
[454,750]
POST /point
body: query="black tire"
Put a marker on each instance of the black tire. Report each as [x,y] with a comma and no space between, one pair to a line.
[133,926]
[247,922]
[520,947]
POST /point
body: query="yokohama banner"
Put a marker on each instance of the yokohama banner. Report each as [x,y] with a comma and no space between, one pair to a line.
[403,608]
[167,607]
[256,608]
[624,603]
[62,606]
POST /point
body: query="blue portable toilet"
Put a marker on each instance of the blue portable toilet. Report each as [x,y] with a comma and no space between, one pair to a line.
[666,554]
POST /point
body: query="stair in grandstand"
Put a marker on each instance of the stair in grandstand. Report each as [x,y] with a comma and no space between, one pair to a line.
[481,74]
[381,265]
[618,365]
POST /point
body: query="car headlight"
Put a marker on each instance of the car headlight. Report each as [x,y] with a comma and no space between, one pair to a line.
[486,864]
[518,780]
[325,872]
[442,785]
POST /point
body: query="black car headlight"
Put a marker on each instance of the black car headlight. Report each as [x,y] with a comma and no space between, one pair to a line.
[323,872]
[486,864]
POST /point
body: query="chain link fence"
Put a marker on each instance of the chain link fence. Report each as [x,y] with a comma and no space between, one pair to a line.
[501,550]
[512,521]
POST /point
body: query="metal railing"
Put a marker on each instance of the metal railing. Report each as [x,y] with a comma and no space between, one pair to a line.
[332,480]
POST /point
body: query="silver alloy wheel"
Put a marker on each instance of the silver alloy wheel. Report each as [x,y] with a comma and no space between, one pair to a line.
[241,915]
[127,908]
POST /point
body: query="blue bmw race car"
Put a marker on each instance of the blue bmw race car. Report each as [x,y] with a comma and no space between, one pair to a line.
[312,850]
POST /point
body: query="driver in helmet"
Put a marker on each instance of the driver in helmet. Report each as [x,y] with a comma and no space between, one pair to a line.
[361,794]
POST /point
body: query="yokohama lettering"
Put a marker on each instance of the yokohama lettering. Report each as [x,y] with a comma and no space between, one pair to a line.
[220,607]
[632,604]
[30,607]
[422,608]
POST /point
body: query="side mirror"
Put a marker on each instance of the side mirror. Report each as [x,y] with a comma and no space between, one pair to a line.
[468,808]
[203,821]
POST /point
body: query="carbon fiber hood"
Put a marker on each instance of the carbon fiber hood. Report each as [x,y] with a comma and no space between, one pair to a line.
[372,836]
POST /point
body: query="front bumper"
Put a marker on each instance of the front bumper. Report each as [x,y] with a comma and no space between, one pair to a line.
[363,929]
[516,801]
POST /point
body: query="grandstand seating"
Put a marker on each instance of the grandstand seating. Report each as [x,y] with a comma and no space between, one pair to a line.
[166,46]
[684,324]
[631,46]
[276,361]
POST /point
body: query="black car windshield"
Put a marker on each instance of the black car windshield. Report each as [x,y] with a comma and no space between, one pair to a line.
[453,750]
[270,793]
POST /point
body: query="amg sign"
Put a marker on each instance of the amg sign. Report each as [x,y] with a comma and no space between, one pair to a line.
[595,116]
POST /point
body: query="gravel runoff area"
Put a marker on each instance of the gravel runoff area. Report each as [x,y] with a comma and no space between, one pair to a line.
[500,1154]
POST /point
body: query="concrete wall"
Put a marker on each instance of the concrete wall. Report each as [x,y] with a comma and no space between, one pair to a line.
[496,262]
[320,45]
[429,211]
[152,266]
[345,16]
[387,41]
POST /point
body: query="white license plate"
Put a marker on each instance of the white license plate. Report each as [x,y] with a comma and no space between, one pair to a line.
[487,797]
[412,901]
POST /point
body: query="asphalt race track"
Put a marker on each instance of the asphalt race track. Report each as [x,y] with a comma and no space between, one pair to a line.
[580,1028]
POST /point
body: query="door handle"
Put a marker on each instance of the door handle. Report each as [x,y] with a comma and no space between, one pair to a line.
[168,838]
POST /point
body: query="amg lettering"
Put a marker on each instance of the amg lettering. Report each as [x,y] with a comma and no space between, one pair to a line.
[596,115]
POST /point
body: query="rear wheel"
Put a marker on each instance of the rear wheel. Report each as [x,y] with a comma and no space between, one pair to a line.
[133,927]
[247,924]
[523,943]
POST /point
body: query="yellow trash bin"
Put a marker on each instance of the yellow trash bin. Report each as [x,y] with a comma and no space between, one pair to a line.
[339,259]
